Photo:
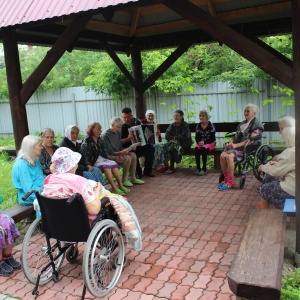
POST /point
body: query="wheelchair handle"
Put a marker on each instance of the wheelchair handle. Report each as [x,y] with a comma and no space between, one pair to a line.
[72,198]
[28,194]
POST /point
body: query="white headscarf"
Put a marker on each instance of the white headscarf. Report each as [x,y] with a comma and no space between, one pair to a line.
[150,111]
[68,132]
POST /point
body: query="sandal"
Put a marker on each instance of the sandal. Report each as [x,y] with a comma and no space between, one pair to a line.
[168,172]
[13,263]
[118,192]
[125,190]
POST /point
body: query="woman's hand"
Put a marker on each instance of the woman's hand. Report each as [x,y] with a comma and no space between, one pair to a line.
[90,168]
[98,187]
[52,169]
[157,132]
[201,143]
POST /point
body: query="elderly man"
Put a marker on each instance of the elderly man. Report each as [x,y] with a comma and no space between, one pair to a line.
[147,151]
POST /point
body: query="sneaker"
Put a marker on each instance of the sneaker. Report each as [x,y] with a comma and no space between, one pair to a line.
[5,269]
[197,172]
[202,172]
[13,263]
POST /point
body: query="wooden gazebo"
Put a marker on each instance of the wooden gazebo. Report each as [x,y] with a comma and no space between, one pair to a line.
[132,26]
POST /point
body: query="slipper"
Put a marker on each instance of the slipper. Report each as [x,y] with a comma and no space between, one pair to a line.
[221,184]
[125,190]
[118,192]
[168,172]
[138,181]
[127,183]
[224,187]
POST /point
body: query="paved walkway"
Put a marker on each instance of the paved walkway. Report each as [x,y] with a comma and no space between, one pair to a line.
[191,232]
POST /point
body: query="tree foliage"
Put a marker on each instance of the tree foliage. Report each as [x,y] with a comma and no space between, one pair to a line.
[200,64]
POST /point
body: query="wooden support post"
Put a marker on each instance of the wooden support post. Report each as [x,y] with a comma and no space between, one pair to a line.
[14,81]
[137,73]
[296,73]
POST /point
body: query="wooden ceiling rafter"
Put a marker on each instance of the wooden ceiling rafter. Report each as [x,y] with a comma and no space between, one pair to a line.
[211,8]
[135,21]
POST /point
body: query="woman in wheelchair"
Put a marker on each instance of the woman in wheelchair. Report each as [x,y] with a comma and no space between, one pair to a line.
[279,181]
[234,150]
[64,182]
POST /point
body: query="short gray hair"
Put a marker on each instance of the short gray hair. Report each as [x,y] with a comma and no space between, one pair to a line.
[116,121]
[46,130]
[254,108]
[204,111]
[288,121]
[29,141]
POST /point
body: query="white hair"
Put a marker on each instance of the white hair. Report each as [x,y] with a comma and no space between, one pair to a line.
[288,135]
[29,141]
[253,107]
[116,121]
[288,121]
[205,112]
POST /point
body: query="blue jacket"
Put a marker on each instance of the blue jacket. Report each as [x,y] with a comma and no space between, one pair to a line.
[26,177]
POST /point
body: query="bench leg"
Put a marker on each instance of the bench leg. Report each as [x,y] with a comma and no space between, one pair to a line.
[217,165]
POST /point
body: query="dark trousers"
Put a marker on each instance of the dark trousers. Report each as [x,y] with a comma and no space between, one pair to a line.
[148,152]
[198,152]
[174,157]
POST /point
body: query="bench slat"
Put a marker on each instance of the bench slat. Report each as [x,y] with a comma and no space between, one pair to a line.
[257,268]
[20,212]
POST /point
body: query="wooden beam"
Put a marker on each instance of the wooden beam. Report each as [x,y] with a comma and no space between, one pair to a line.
[52,57]
[242,45]
[134,22]
[14,81]
[166,64]
[119,63]
[296,73]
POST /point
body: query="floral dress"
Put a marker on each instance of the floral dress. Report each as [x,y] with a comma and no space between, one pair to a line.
[8,230]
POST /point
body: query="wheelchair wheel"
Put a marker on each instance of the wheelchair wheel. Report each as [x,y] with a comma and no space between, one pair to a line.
[103,258]
[242,181]
[72,254]
[34,254]
[262,156]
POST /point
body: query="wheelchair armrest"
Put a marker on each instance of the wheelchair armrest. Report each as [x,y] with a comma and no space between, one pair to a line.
[255,138]
[28,194]
[72,198]
[230,135]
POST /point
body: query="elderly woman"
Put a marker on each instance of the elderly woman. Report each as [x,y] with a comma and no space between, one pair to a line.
[161,148]
[84,168]
[234,150]
[279,181]
[48,148]
[27,172]
[113,147]
[205,141]
[64,183]
[8,234]
[93,147]
[179,139]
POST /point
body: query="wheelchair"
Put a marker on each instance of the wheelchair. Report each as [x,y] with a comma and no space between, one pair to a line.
[55,235]
[253,157]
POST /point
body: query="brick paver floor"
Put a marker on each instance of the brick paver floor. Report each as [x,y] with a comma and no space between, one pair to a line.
[191,232]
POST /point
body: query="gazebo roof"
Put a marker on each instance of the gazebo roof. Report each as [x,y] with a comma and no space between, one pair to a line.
[149,24]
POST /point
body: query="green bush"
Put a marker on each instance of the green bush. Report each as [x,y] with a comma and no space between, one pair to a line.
[291,286]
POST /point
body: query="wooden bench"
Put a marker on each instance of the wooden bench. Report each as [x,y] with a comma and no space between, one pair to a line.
[225,128]
[256,270]
[20,212]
